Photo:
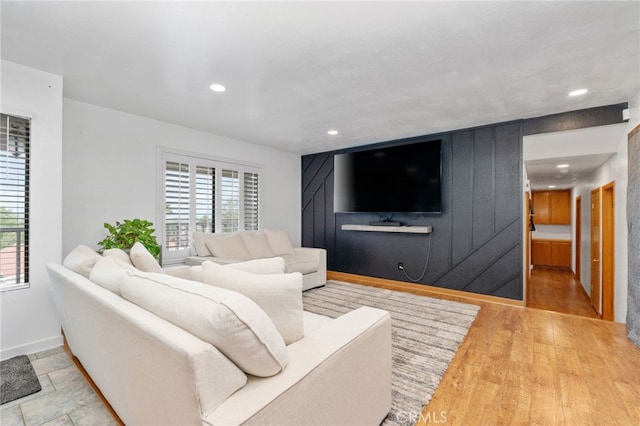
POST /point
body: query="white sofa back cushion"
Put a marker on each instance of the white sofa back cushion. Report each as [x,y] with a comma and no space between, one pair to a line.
[118,254]
[200,240]
[81,260]
[231,322]
[279,242]
[257,244]
[228,247]
[143,260]
[279,295]
[110,272]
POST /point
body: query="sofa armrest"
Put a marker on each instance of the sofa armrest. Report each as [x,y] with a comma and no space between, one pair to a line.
[339,374]
[322,261]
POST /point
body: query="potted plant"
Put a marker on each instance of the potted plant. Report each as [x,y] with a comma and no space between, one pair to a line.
[124,234]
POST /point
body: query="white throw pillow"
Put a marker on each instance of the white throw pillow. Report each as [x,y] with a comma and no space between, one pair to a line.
[279,242]
[273,265]
[257,244]
[109,272]
[118,254]
[229,321]
[196,273]
[279,295]
[228,247]
[143,260]
[199,240]
[81,260]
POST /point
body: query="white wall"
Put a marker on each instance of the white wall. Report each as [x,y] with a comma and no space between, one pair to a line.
[29,320]
[588,141]
[110,171]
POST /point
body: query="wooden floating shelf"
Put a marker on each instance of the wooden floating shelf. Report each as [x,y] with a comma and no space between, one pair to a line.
[397,229]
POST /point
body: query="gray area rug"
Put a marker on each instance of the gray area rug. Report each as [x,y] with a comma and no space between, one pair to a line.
[17,379]
[426,333]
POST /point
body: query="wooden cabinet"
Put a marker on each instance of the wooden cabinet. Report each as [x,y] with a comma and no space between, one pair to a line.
[551,207]
[555,253]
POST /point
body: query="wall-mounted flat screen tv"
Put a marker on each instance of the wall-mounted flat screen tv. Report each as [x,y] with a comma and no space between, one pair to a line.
[398,179]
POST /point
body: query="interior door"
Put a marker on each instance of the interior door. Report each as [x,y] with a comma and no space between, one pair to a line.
[595,251]
[608,252]
[578,242]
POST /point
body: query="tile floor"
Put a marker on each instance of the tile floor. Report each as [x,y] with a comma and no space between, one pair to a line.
[65,399]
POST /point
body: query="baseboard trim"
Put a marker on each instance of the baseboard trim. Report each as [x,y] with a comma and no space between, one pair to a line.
[422,289]
[33,347]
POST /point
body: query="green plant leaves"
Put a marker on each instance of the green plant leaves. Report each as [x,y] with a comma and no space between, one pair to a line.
[124,234]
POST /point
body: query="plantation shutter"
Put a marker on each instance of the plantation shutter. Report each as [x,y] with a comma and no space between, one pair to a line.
[205,199]
[204,195]
[14,201]
[251,202]
[230,200]
[177,206]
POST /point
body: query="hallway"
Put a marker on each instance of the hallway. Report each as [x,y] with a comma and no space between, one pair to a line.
[559,291]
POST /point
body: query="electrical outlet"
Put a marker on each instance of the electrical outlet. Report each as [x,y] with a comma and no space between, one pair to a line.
[400,266]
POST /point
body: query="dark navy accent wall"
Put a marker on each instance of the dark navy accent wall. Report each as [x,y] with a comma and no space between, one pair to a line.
[476,244]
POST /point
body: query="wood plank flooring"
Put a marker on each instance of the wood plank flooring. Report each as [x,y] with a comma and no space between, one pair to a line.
[522,366]
[558,290]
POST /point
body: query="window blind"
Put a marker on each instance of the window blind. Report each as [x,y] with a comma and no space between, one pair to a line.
[14,201]
[251,201]
[230,200]
[177,206]
[205,199]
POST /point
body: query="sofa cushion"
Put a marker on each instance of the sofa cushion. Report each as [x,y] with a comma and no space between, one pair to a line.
[273,265]
[109,272]
[81,260]
[228,247]
[279,295]
[143,260]
[200,242]
[304,262]
[231,322]
[279,242]
[118,254]
[257,244]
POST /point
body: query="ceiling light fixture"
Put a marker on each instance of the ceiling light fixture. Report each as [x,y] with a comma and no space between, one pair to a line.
[217,87]
[332,132]
[578,92]
[551,186]
[562,166]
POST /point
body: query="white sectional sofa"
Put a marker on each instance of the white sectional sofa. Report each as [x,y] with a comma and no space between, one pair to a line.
[141,338]
[249,245]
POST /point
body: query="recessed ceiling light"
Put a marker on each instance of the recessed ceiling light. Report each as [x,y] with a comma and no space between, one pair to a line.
[332,132]
[217,87]
[551,186]
[562,166]
[578,92]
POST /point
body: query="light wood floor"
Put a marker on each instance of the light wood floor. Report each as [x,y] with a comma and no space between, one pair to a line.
[522,366]
[559,291]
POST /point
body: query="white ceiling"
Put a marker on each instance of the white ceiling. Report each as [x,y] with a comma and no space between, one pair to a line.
[375,71]
[544,173]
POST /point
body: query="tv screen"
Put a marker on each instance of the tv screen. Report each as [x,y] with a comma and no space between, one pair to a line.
[400,179]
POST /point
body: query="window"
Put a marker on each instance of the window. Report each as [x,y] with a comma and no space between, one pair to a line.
[14,202]
[205,195]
